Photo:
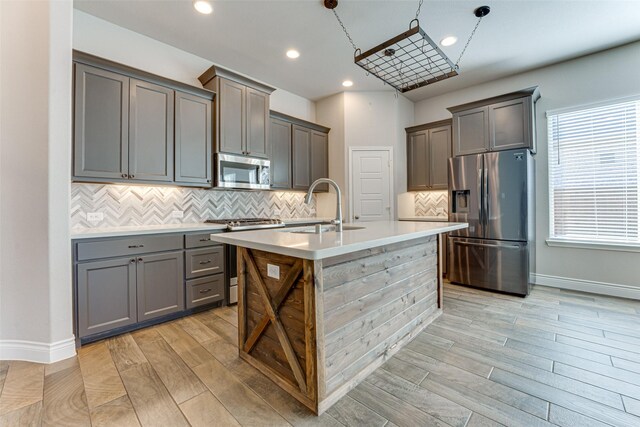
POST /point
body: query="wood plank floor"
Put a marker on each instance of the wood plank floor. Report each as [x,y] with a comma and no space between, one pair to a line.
[555,358]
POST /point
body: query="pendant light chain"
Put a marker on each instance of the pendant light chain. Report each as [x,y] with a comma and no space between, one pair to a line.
[464,49]
[419,7]
[345,30]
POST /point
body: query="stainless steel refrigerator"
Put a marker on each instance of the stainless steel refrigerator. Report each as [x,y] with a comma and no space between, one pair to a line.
[495,193]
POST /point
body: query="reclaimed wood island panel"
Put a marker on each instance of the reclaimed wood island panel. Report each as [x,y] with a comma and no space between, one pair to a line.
[318,327]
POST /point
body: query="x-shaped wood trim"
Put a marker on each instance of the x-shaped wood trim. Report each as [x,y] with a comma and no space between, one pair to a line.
[272,307]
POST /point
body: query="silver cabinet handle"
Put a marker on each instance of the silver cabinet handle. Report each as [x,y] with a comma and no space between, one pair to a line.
[205,262]
[139,259]
[136,246]
[486,245]
[357,217]
[132,261]
[205,240]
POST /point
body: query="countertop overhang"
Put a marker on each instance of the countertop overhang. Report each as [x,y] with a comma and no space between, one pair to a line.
[330,243]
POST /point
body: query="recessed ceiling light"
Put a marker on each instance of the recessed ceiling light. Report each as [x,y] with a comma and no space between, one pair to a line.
[293,54]
[347,83]
[203,6]
[448,41]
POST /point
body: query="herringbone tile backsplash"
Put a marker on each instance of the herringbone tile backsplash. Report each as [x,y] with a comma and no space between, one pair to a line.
[140,205]
[428,202]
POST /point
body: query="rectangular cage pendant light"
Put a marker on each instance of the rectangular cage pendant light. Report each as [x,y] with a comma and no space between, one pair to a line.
[407,61]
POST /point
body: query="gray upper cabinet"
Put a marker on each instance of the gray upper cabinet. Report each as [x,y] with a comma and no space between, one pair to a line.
[428,151]
[231,126]
[320,158]
[299,153]
[417,162]
[471,131]
[151,132]
[257,123]
[500,123]
[124,126]
[193,152]
[509,124]
[101,124]
[439,153]
[241,112]
[301,138]
[106,294]
[280,144]
[159,280]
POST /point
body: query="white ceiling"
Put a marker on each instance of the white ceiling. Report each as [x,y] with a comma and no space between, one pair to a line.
[251,37]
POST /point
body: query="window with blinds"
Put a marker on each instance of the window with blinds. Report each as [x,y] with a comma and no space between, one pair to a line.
[594,167]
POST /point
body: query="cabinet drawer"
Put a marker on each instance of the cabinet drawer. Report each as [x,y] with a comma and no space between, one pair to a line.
[205,291]
[130,245]
[203,262]
[199,240]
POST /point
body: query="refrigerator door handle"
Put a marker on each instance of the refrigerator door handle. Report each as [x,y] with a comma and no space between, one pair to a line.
[480,197]
[486,199]
[501,245]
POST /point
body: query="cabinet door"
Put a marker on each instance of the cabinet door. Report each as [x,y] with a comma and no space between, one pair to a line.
[231,101]
[101,124]
[151,139]
[280,145]
[257,123]
[106,295]
[439,153]
[160,286]
[301,157]
[510,125]
[471,131]
[418,166]
[320,159]
[193,139]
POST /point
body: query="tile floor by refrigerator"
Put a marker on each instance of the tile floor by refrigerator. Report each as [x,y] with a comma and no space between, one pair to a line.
[556,358]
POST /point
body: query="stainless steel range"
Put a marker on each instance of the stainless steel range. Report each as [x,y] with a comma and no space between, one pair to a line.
[240,224]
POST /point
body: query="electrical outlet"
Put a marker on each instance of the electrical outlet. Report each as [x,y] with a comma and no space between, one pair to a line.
[177,214]
[277,212]
[95,216]
[440,211]
[273,271]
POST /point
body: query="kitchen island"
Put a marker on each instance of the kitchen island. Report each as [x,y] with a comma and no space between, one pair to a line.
[317,313]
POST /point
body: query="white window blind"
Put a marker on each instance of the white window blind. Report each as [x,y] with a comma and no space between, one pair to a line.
[594,167]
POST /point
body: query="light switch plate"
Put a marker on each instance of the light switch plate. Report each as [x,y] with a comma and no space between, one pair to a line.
[95,216]
[273,271]
[177,214]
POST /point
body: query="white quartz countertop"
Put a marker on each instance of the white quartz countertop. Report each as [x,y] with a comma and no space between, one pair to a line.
[137,230]
[424,218]
[331,243]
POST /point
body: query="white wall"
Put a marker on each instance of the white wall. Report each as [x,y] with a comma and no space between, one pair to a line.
[373,118]
[602,76]
[102,38]
[35,165]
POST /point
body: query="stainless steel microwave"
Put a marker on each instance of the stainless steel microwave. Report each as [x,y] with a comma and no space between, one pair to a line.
[242,172]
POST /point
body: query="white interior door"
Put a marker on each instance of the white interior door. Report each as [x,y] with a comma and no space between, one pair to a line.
[371,185]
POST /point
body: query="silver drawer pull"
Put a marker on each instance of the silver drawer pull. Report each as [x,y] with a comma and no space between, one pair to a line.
[204,291]
[205,262]
[136,246]
[205,240]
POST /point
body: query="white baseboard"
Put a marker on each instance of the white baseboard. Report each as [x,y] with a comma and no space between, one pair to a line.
[612,289]
[38,352]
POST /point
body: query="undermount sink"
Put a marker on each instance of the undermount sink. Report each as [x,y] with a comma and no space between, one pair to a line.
[322,229]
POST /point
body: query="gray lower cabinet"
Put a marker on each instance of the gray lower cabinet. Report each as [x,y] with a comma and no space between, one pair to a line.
[158,285]
[280,144]
[106,295]
[503,122]
[428,151]
[205,290]
[101,124]
[150,132]
[193,152]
